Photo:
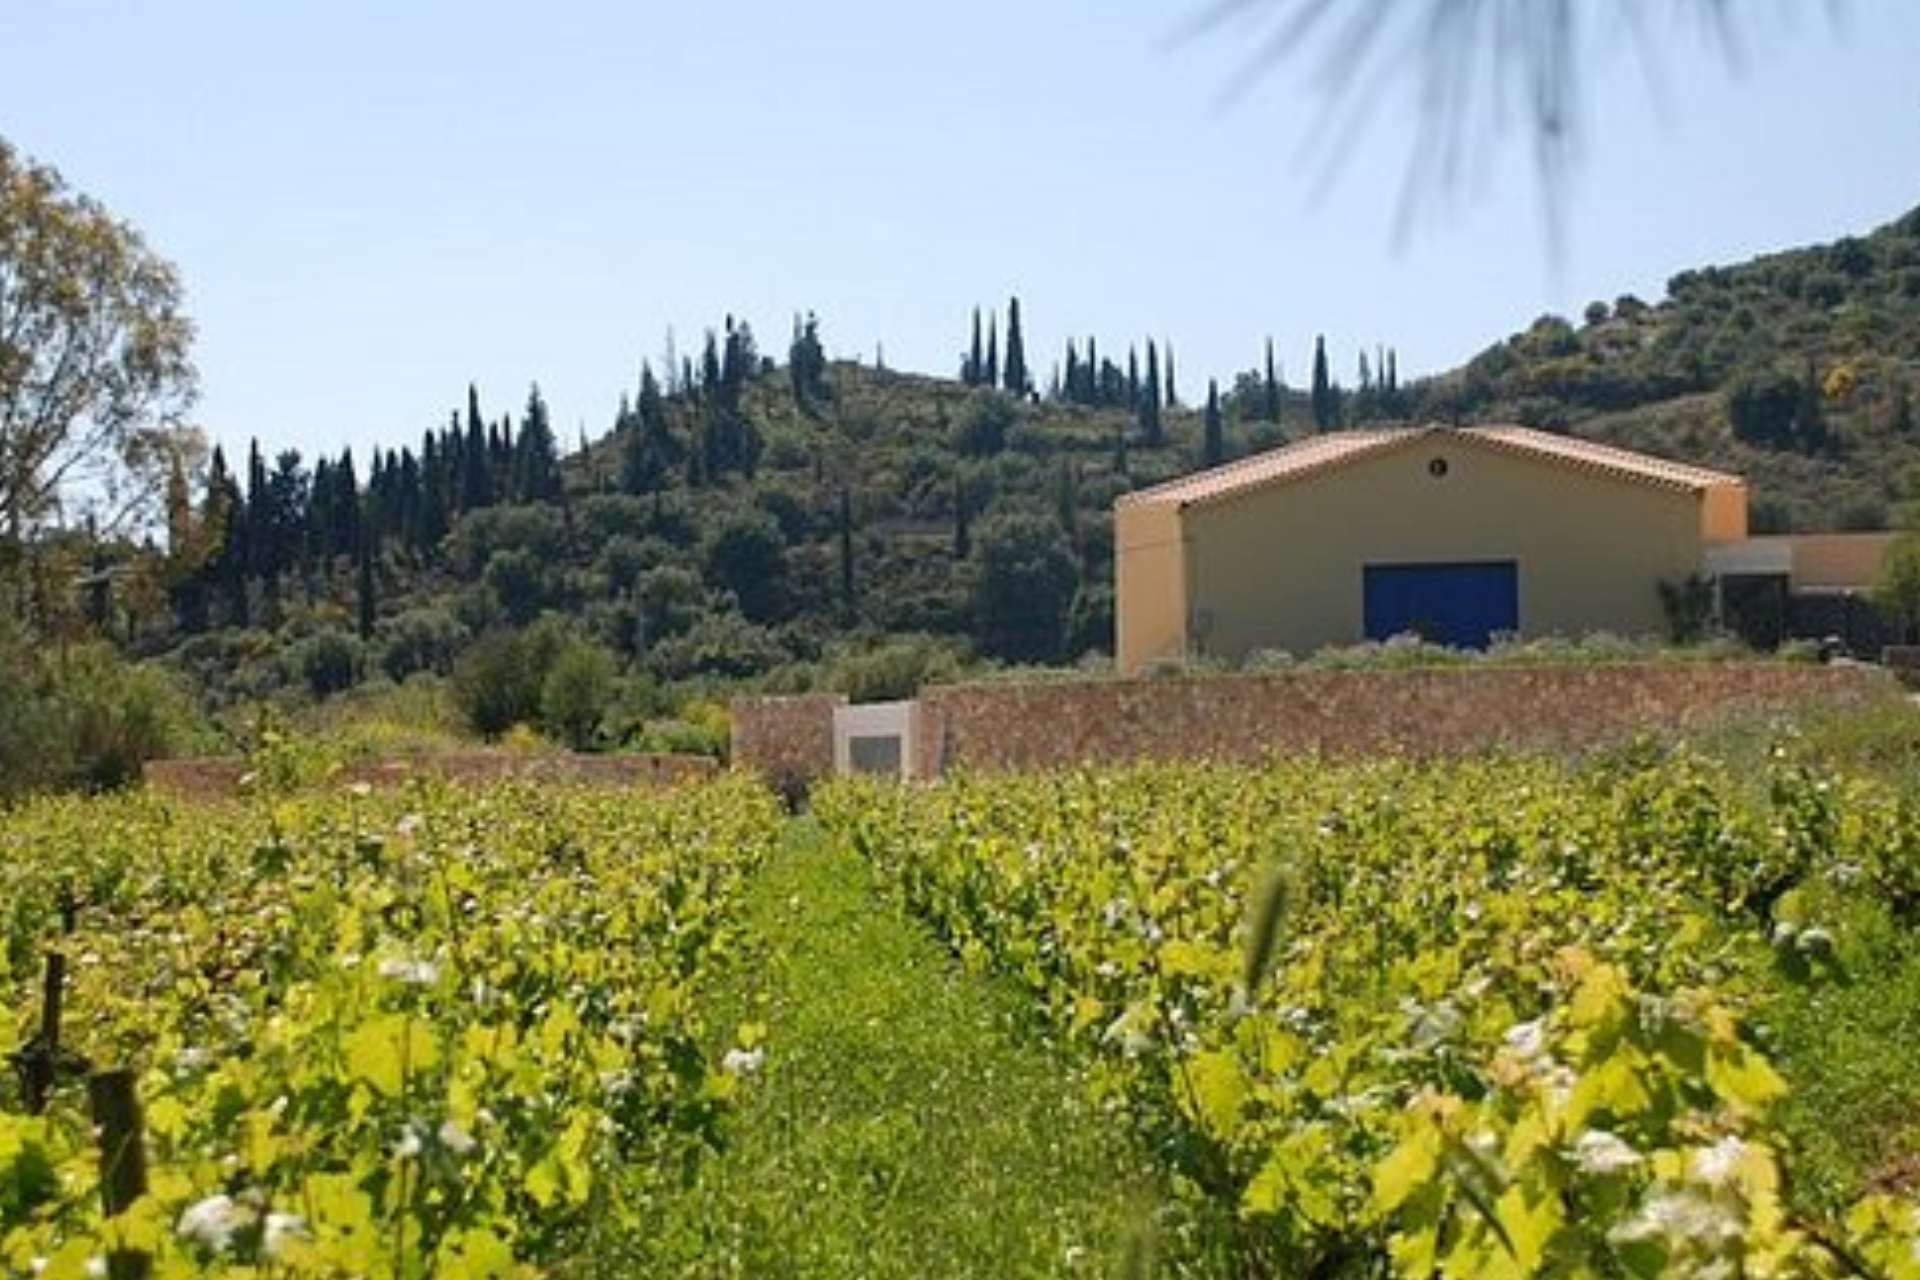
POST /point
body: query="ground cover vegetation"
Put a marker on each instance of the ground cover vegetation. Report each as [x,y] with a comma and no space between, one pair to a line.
[1647,1015]
[429,1032]
[901,1120]
[1641,1014]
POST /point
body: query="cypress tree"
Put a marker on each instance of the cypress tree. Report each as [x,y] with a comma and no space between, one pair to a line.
[976,361]
[807,364]
[1133,379]
[1148,412]
[654,451]
[261,556]
[344,519]
[1270,389]
[365,598]
[1070,386]
[1325,412]
[433,521]
[409,502]
[476,470]
[536,463]
[990,374]
[710,368]
[1213,443]
[1014,377]
[1173,398]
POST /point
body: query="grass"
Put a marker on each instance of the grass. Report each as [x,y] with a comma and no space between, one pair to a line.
[903,1122]
[1850,1049]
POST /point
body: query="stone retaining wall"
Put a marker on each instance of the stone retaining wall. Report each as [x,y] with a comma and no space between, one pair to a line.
[1439,711]
[789,740]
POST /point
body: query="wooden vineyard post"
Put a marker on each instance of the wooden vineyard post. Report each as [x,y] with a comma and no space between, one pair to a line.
[123,1160]
[38,1060]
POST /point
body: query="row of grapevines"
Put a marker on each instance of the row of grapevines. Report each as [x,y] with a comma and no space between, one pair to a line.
[430,1032]
[1473,1017]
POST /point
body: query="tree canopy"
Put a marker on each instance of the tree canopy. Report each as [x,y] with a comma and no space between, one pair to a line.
[95,373]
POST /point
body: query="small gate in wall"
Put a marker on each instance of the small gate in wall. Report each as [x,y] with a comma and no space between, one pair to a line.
[877,737]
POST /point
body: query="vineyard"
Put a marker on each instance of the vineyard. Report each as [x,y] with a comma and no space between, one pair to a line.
[429,1032]
[1647,1015]
[1487,1019]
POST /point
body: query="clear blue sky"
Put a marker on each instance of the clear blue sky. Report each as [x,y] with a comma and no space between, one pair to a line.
[375,202]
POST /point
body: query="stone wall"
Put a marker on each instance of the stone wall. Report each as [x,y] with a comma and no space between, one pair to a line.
[1440,711]
[790,740]
[1445,711]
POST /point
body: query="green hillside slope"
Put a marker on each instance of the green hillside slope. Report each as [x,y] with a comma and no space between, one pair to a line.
[1798,370]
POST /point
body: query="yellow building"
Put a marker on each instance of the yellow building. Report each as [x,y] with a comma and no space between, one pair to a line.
[1456,534]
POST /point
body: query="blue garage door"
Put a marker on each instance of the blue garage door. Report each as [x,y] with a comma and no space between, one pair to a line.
[1459,605]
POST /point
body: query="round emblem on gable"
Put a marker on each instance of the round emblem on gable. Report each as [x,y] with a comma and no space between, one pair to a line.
[1437,468]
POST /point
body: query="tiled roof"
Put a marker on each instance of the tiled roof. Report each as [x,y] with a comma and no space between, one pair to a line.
[1320,453]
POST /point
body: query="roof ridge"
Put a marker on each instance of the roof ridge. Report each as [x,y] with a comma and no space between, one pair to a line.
[1312,454]
[1338,446]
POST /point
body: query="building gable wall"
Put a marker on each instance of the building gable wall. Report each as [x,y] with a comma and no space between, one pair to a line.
[1282,567]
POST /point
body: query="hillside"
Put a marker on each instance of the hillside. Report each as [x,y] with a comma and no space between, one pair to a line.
[860,527]
[1798,370]
[748,522]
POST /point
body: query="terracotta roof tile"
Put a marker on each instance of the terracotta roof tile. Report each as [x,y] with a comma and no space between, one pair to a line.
[1335,449]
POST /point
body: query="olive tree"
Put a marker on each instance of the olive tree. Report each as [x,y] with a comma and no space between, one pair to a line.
[95,372]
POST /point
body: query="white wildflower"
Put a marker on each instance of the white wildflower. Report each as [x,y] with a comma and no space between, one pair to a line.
[409,824]
[212,1222]
[1127,1031]
[1815,942]
[742,1062]
[279,1229]
[94,1268]
[409,1146]
[409,972]
[1716,1165]
[191,1058]
[454,1138]
[1528,1039]
[1598,1152]
[1680,1217]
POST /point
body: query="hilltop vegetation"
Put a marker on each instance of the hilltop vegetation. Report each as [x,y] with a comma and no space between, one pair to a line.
[1797,370]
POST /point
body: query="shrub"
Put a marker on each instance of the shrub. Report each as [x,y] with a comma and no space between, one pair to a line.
[896,668]
[420,640]
[89,720]
[498,682]
[329,662]
[575,694]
